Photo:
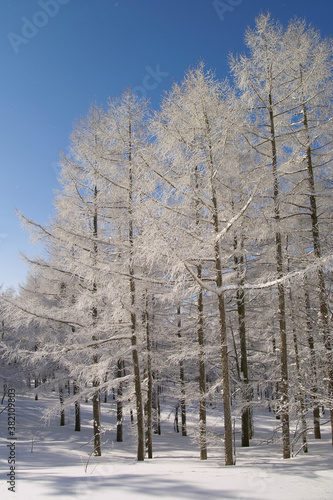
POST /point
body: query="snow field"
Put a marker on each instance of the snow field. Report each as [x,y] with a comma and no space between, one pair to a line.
[55,462]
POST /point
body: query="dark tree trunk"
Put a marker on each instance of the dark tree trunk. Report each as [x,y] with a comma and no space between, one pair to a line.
[281,295]
[228,444]
[313,364]
[201,341]
[202,374]
[138,396]
[36,385]
[323,307]
[300,393]
[182,379]
[148,405]
[158,413]
[120,402]
[176,426]
[62,411]
[96,401]
[77,408]
[135,355]
[106,390]
[240,298]
[302,409]
[156,409]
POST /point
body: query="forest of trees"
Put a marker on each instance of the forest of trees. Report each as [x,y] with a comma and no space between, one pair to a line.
[189,254]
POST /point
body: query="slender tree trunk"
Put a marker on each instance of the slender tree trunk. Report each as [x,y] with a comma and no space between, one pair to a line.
[182,379]
[36,385]
[62,411]
[228,446]
[323,307]
[148,406]
[229,460]
[313,364]
[201,341]
[135,355]
[300,393]
[106,390]
[120,402]
[96,399]
[176,426]
[156,407]
[202,374]
[302,409]
[276,391]
[137,386]
[77,407]
[281,295]
[240,298]
[158,412]
[183,399]
[96,404]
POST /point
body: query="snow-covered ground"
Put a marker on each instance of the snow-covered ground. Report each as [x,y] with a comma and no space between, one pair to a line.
[53,462]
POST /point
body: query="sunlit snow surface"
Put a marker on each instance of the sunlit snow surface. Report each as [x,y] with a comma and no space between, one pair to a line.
[53,462]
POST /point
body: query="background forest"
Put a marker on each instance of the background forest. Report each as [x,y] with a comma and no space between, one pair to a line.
[189,257]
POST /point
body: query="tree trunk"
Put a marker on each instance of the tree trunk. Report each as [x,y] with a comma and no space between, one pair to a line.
[281,295]
[148,405]
[158,412]
[182,377]
[302,409]
[119,402]
[135,355]
[313,364]
[138,395]
[323,307]
[300,393]
[240,298]
[228,446]
[77,408]
[202,374]
[106,390]
[62,411]
[156,408]
[36,385]
[96,401]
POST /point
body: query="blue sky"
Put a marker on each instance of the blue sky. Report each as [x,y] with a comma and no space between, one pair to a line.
[59,56]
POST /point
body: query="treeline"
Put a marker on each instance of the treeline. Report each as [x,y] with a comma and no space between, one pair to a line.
[190,249]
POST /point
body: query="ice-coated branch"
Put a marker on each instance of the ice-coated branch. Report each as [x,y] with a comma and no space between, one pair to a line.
[234,219]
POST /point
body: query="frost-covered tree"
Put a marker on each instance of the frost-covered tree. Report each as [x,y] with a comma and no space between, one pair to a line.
[262,79]
[310,68]
[195,130]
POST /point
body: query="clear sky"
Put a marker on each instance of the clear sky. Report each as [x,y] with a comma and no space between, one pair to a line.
[59,56]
